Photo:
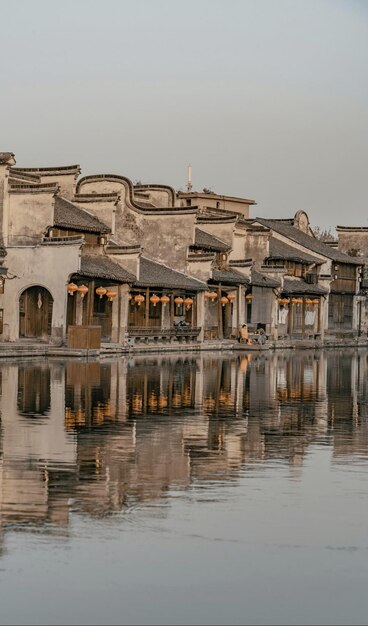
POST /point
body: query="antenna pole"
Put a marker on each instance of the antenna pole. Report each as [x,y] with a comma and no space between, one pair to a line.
[189,184]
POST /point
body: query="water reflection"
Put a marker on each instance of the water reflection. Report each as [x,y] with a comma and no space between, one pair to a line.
[101,437]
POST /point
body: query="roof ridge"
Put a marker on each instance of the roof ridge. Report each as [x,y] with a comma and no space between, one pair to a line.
[170,268]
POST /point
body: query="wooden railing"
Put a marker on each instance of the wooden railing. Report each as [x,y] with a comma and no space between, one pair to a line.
[155,334]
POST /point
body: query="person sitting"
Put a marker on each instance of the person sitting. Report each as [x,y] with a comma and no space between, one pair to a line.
[261,336]
[243,334]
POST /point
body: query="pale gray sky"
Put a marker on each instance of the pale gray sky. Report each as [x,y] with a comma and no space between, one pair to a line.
[267,99]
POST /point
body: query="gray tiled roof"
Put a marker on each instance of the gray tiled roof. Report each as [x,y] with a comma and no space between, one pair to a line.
[210,242]
[155,274]
[229,277]
[100,266]
[262,280]
[68,215]
[283,252]
[297,285]
[286,228]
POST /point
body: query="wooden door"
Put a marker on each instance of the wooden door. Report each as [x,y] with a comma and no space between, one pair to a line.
[35,313]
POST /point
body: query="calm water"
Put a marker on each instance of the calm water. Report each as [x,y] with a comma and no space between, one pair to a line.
[185,490]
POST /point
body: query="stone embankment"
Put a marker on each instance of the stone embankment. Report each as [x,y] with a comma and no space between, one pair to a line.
[28,349]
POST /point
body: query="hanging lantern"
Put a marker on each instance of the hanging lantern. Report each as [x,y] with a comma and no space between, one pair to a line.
[224,300]
[165,300]
[139,299]
[111,294]
[315,301]
[178,300]
[72,288]
[297,300]
[231,297]
[83,289]
[308,301]
[188,303]
[249,297]
[101,291]
[154,299]
[212,295]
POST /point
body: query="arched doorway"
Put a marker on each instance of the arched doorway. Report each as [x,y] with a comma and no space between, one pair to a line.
[35,313]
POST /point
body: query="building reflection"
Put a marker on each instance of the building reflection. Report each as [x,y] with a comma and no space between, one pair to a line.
[98,437]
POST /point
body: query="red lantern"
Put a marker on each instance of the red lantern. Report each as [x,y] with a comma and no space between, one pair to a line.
[101,291]
[224,300]
[231,296]
[111,294]
[164,300]
[139,299]
[154,299]
[188,303]
[72,288]
[178,300]
[249,297]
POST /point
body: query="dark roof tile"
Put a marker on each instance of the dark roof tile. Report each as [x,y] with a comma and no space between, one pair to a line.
[229,277]
[262,280]
[297,285]
[209,242]
[100,266]
[286,228]
[280,250]
[68,215]
[155,274]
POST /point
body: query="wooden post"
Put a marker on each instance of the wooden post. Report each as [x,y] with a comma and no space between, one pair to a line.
[219,313]
[291,306]
[146,321]
[172,309]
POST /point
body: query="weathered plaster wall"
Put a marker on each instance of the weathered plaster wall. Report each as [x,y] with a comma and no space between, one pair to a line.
[160,196]
[29,216]
[46,266]
[66,182]
[130,261]
[223,230]
[104,185]
[256,247]
[219,202]
[167,237]
[104,210]
[355,241]
[200,269]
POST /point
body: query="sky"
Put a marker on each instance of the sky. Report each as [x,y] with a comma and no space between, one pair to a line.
[265,99]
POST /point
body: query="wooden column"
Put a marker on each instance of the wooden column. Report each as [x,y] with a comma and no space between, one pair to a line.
[146,321]
[219,313]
